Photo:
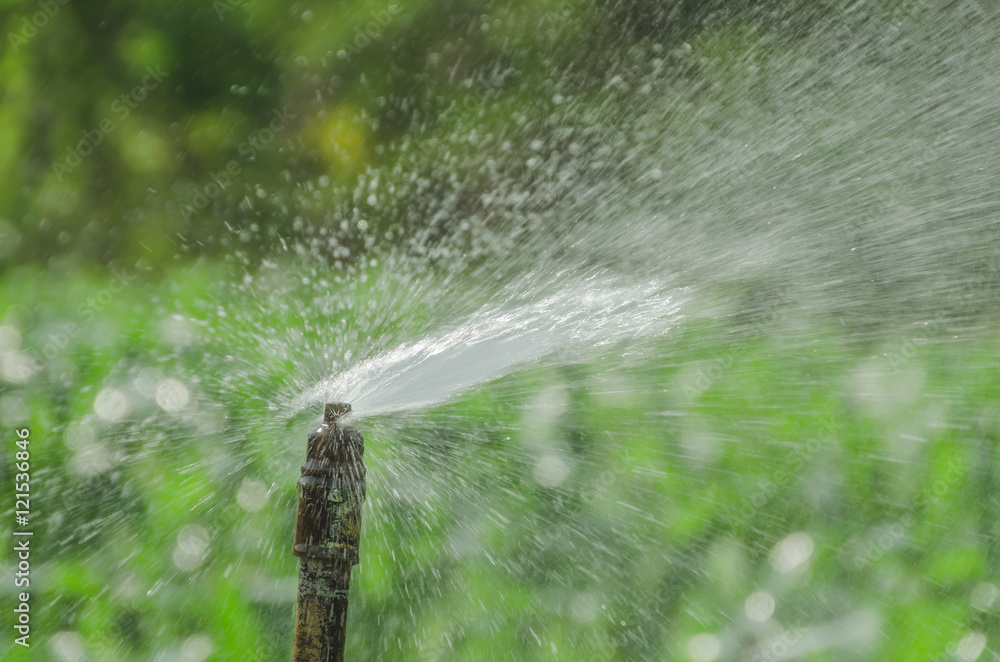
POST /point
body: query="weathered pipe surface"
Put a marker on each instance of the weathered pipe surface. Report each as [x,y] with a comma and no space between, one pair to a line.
[327,534]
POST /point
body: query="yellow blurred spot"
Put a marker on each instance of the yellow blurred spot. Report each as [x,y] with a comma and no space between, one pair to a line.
[342,139]
[146,153]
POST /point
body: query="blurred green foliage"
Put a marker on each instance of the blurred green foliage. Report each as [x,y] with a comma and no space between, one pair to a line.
[157,140]
[140,133]
[665,525]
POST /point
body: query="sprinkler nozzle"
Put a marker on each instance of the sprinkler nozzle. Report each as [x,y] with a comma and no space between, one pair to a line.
[331,490]
[335,410]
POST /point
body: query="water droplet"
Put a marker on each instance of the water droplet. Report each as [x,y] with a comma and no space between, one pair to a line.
[792,552]
[172,396]
[252,495]
[550,470]
[192,547]
[69,646]
[147,381]
[18,367]
[92,459]
[704,647]
[984,596]
[197,648]
[970,647]
[10,339]
[111,405]
[78,435]
[759,606]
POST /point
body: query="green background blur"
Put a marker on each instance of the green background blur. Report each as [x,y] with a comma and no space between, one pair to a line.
[149,150]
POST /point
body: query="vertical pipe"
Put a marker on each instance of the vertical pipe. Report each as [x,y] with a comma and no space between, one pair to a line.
[331,492]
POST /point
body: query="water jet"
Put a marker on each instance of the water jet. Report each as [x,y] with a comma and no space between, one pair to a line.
[331,493]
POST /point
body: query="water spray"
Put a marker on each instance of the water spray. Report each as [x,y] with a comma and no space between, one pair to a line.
[327,533]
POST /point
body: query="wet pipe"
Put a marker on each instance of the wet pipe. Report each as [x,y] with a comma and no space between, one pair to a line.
[331,492]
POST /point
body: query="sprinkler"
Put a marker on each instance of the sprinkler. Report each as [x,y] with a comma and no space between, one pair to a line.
[327,532]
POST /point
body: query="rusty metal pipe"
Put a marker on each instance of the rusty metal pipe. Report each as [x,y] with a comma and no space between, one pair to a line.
[331,493]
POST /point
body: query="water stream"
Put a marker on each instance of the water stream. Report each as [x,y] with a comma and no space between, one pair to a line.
[496,340]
